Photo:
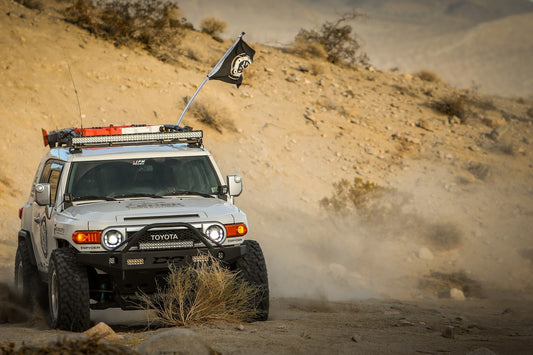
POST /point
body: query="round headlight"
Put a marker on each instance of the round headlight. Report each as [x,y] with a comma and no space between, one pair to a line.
[215,233]
[112,239]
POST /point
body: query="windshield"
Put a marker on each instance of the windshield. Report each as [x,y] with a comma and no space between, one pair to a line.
[142,177]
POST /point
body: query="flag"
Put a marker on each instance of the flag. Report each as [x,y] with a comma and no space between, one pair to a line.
[237,59]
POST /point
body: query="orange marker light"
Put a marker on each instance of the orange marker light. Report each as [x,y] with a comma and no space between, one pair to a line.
[236,230]
[86,237]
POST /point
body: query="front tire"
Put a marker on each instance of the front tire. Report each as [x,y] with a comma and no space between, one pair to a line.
[252,268]
[68,292]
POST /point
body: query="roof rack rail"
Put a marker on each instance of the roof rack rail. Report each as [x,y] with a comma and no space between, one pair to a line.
[77,138]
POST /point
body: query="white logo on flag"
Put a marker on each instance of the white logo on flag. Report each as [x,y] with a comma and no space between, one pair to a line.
[238,64]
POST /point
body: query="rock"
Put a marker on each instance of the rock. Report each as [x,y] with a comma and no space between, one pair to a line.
[239,327]
[425,124]
[175,341]
[456,294]
[455,120]
[494,120]
[356,338]
[498,132]
[449,332]
[481,351]
[425,254]
[101,330]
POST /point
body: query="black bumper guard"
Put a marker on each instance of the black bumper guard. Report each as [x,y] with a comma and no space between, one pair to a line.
[149,265]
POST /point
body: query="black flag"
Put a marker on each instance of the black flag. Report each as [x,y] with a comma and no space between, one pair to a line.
[238,59]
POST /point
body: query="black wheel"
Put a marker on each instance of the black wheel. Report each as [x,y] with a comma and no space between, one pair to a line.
[27,283]
[252,268]
[68,292]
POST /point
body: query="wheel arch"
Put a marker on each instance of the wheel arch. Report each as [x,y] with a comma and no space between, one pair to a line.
[26,236]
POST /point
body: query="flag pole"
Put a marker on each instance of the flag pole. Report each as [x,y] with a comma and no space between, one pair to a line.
[211,73]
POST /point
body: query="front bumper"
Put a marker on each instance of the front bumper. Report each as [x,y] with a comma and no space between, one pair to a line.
[130,271]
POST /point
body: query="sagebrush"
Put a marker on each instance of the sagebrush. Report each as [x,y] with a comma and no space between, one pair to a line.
[151,23]
[213,26]
[334,40]
[199,294]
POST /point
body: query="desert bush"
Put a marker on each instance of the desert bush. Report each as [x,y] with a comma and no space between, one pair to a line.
[151,23]
[199,294]
[32,4]
[316,69]
[335,39]
[210,117]
[453,105]
[358,196]
[529,112]
[213,26]
[428,75]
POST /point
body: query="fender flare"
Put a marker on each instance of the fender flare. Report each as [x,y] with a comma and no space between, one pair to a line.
[26,236]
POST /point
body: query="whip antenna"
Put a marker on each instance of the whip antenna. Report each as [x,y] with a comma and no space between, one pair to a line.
[77,98]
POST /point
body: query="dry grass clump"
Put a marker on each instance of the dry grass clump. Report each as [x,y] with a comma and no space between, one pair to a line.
[453,105]
[152,23]
[32,4]
[213,26]
[209,116]
[199,294]
[357,196]
[428,75]
[334,41]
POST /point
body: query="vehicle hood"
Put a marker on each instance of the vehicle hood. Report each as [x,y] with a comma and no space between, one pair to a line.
[150,210]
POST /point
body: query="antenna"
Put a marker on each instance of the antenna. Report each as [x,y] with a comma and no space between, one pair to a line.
[77,98]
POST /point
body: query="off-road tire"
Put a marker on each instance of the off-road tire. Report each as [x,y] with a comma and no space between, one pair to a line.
[252,268]
[27,283]
[68,292]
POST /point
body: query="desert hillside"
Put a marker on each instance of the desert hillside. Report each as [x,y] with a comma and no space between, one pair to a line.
[427,249]
[459,198]
[471,43]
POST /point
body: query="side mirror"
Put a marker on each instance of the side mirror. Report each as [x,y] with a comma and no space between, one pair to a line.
[42,194]
[234,185]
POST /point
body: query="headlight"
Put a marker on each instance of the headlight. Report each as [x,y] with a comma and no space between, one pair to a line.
[215,233]
[112,239]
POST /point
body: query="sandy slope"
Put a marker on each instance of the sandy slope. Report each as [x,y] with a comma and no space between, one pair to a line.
[466,189]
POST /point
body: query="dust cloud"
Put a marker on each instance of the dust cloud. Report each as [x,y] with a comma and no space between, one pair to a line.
[448,230]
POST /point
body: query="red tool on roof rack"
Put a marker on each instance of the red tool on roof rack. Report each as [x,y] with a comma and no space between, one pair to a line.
[76,138]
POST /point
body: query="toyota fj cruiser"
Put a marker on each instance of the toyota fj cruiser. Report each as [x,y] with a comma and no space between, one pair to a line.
[112,207]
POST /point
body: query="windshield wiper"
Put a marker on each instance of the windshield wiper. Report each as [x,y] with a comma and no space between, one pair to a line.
[195,193]
[138,194]
[85,198]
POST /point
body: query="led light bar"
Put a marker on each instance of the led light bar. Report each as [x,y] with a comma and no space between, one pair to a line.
[200,258]
[166,245]
[160,137]
[136,261]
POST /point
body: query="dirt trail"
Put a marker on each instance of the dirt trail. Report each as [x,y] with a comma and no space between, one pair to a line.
[456,222]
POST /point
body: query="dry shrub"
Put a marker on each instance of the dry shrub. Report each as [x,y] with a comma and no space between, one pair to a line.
[307,49]
[529,112]
[213,26]
[357,196]
[152,23]
[210,117]
[199,294]
[316,69]
[335,39]
[32,4]
[453,105]
[428,75]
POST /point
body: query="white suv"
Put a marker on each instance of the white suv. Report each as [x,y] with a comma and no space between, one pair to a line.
[112,207]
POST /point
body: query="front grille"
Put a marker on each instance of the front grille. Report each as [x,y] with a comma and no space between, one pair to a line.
[165,239]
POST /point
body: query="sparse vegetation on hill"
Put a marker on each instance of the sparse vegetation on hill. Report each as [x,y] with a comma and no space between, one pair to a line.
[151,23]
[334,41]
[213,27]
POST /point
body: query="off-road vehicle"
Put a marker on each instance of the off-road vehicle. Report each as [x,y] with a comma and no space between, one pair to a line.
[112,207]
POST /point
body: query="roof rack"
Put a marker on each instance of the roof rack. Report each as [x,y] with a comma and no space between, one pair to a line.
[77,138]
